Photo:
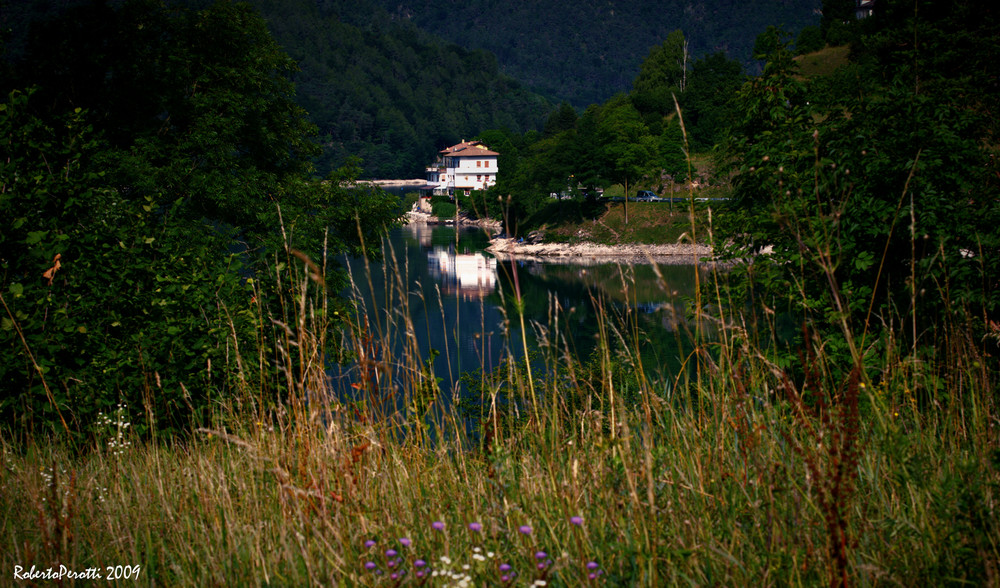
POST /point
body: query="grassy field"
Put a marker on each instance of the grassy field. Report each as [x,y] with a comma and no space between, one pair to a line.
[823,62]
[651,223]
[728,473]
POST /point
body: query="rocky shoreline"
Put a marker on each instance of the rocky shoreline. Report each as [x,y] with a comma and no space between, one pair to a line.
[490,225]
[589,253]
[679,253]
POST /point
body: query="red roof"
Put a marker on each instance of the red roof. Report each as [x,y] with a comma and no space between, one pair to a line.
[469,149]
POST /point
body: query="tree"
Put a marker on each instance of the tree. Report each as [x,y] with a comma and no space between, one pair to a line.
[882,203]
[662,74]
[837,21]
[672,151]
[144,182]
[629,150]
[212,116]
[810,39]
[106,298]
[561,119]
[588,153]
[707,103]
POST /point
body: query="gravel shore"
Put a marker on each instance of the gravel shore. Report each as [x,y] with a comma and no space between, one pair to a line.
[661,254]
[585,253]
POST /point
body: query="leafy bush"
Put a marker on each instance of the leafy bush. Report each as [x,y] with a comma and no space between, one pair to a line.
[810,39]
[443,207]
[875,194]
[106,298]
[131,226]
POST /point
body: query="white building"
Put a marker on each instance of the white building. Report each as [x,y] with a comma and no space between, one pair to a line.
[863,8]
[470,275]
[468,166]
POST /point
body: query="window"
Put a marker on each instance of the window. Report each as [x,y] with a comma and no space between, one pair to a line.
[479,164]
[479,178]
[487,163]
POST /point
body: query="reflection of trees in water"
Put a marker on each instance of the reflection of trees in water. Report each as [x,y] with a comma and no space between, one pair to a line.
[466,325]
[427,236]
[633,284]
[582,296]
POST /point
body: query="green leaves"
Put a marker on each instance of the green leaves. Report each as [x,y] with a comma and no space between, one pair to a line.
[864,260]
[874,190]
[661,76]
[35,237]
[127,228]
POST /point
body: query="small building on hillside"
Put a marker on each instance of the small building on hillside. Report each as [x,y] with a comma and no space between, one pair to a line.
[863,8]
[468,166]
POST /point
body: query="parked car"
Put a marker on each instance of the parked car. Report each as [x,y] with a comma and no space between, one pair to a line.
[647,196]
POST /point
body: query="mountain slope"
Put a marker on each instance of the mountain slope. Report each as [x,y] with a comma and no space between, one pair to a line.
[377,88]
[389,93]
[589,50]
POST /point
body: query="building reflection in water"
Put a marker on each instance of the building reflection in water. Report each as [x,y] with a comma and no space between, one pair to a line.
[467,275]
[422,232]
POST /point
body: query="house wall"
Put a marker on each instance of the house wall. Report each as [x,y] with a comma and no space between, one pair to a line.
[472,172]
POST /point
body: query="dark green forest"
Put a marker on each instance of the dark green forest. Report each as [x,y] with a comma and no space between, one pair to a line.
[376,89]
[585,52]
[876,187]
[674,108]
[393,84]
[389,93]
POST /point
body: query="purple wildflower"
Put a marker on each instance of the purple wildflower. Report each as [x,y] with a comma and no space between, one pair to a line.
[370,565]
[525,529]
[391,553]
[369,544]
[576,520]
[420,563]
[541,555]
[405,541]
[438,525]
[476,527]
[504,567]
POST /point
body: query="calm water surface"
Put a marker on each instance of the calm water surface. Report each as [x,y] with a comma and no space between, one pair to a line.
[460,301]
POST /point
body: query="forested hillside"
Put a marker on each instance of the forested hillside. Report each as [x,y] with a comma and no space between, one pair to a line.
[389,93]
[380,84]
[586,51]
[378,89]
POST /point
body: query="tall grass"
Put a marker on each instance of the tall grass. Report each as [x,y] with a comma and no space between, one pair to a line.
[578,472]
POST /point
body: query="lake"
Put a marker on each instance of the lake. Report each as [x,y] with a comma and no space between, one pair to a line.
[461,302]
